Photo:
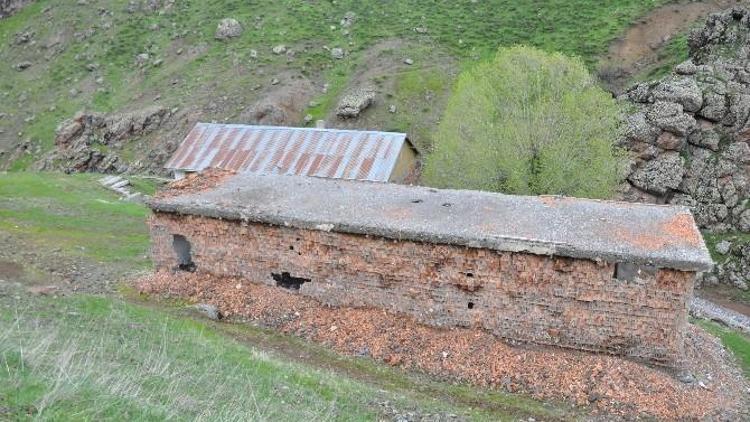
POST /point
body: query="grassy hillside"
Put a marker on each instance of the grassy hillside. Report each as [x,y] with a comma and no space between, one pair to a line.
[75,215]
[84,56]
[66,356]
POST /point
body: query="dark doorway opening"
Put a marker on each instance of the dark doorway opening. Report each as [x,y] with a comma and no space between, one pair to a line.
[286,281]
[181,248]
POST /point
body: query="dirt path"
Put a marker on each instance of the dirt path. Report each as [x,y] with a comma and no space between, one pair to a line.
[639,46]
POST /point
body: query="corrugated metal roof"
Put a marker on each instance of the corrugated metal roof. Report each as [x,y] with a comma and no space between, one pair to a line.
[331,153]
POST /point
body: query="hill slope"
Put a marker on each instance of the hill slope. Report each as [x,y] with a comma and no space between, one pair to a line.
[60,57]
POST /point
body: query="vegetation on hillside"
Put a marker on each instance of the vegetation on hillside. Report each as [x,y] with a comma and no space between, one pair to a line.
[528,122]
[74,214]
[84,55]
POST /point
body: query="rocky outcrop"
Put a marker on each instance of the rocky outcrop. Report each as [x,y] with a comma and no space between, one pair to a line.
[9,7]
[689,135]
[95,141]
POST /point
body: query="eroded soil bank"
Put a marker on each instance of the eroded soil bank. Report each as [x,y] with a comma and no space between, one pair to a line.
[637,49]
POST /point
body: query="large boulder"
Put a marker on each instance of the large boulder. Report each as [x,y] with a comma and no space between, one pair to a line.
[228,28]
[671,117]
[353,103]
[660,175]
[683,91]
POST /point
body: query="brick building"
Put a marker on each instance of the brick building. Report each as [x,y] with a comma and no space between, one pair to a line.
[591,275]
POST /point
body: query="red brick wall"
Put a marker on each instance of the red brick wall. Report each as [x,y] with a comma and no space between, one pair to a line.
[531,298]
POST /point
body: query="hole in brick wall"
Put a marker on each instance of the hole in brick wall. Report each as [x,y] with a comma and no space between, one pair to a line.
[469,274]
[291,248]
[471,305]
[416,201]
[447,204]
[628,271]
[182,248]
[286,281]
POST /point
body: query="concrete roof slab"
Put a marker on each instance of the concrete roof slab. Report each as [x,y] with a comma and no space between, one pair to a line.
[665,236]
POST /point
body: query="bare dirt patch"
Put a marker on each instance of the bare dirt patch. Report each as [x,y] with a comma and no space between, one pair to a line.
[605,384]
[637,48]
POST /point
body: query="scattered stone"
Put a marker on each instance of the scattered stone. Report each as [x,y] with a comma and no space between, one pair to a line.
[23,65]
[210,311]
[348,19]
[723,247]
[274,81]
[279,49]
[408,62]
[353,103]
[308,118]
[228,28]
[420,30]
[157,62]
[142,59]
[253,54]
[391,108]
[337,53]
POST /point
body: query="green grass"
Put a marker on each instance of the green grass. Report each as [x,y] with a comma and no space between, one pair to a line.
[466,30]
[75,214]
[712,239]
[93,358]
[733,340]
[669,56]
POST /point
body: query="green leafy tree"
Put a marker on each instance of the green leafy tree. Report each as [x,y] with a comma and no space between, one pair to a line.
[528,122]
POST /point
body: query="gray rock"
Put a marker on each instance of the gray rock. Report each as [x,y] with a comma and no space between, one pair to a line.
[228,28]
[23,65]
[670,117]
[723,247]
[210,311]
[714,106]
[659,176]
[279,49]
[348,19]
[705,138]
[683,91]
[640,93]
[686,68]
[744,221]
[738,152]
[409,62]
[739,109]
[352,104]
[638,129]
[337,53]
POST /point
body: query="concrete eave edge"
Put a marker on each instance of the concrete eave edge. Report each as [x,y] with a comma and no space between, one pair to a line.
[234,212]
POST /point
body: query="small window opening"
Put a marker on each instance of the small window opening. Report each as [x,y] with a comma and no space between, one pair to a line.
[286,281]
[471,305]
[628,271]
[181,248]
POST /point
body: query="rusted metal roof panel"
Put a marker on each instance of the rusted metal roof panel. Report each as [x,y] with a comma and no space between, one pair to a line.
[329,153]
